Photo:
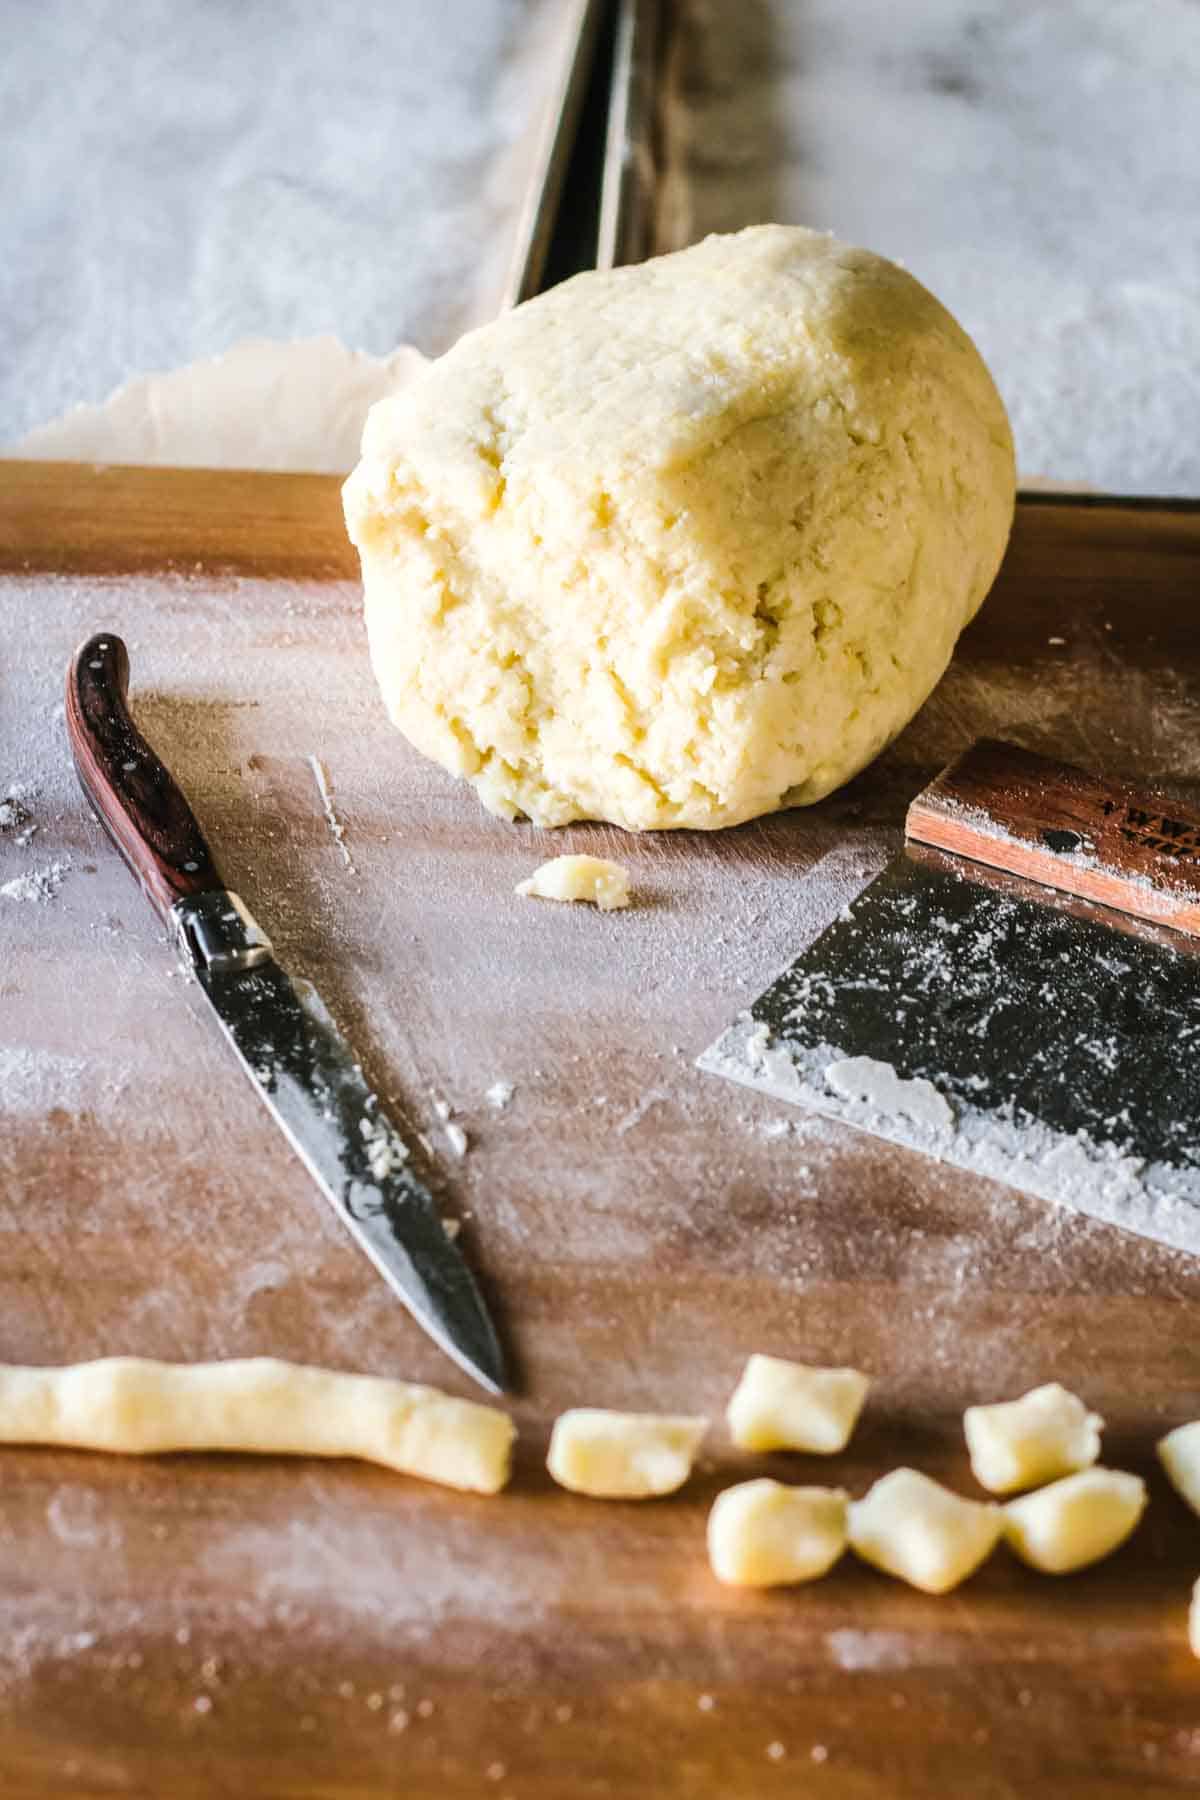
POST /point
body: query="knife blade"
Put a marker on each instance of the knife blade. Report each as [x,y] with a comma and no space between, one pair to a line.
[302,1068]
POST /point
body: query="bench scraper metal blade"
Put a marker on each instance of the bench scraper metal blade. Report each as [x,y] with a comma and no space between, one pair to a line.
[1018,993]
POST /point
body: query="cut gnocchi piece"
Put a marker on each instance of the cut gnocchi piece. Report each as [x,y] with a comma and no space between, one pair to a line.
[1075,1521]
[589,878]
[1023,1443]
[623,1456]
[910,1526]
[763,1534]
[780,1405]
[1179,1454]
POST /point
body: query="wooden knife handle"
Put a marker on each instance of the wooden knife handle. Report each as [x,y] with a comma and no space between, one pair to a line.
[138,804]
[1136,851]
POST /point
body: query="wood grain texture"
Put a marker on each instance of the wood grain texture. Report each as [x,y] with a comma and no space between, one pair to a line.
[297,1631]
[75,519]
[1068,828]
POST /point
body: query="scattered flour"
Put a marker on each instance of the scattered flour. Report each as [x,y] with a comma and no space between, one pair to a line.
[36,1080]
[637,1113]
[38,885]
[855,1649]
[324,789]
[79,1518]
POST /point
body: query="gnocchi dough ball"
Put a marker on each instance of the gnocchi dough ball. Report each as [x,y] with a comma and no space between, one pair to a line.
[911,1526]
[1179,1453]
[589,878]
[1022,1443]
[763,1534]
[623,1456]
[1075,1521]
[683,542]
[781,1405]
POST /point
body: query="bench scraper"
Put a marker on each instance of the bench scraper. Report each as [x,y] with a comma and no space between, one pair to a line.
[1018,993]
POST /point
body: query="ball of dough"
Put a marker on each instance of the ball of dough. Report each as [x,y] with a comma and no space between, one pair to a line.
[685,542]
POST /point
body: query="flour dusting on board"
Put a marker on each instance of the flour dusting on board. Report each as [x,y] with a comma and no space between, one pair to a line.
[852,1648]
[38,885]
[336,828]
[700,1230]
[32,1081]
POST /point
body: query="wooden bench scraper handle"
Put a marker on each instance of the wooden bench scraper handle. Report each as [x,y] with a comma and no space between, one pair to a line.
[1050,822]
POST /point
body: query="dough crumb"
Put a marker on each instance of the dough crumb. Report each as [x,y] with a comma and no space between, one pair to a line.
[623,1456]
[1075,1521]
[499,1095]
[1024,1443]
[763,1534]
[1179,1454]
[385,1151]
[877,1085]
[912,1527]
[588,878]
[780,1405]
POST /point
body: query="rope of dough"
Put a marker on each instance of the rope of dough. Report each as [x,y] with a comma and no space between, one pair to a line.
[129,1404]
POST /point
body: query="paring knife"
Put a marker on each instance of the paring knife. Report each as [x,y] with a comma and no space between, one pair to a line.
[285,1040]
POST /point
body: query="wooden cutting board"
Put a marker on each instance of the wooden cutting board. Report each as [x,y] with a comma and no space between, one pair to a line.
[207,1626]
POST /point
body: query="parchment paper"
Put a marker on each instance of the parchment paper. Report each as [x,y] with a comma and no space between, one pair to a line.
[181,177]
